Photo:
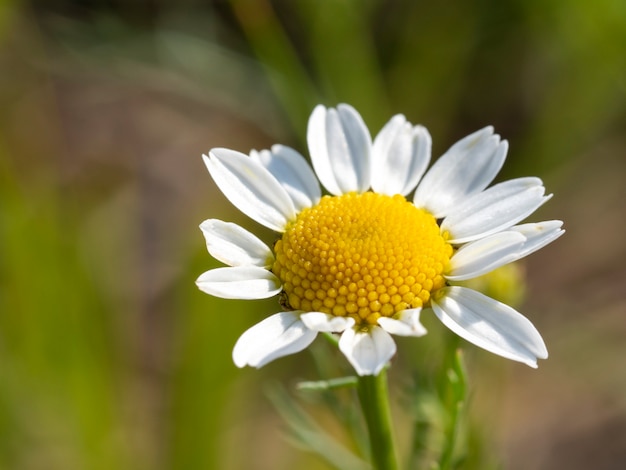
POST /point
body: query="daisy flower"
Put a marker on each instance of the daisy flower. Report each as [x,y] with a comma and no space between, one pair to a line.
[364,261]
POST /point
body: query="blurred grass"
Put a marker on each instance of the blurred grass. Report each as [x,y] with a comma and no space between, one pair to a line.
[109,356]
[59,367]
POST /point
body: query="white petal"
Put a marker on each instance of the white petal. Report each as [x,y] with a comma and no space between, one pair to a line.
[465,169]
[250,188]
[340,146]
[292,172]
[486,254]
[482,256]
[495,209]
[538,235]
[400,155]
[241,282]
[278,335]
[368,351]
[234,245]
[407,323]
[490,324]
[319,321]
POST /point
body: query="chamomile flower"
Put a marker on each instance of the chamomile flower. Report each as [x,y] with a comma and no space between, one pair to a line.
[364,261]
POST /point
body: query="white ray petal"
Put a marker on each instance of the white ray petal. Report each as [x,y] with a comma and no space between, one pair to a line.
[319,321]
[538,235]
[278,335]
[482,256]
[340,147]
[494,209]
[234,245]
[486,254]
[400,155]
[293,172]
[406,323]
[489,324]
[367,351]
[250,188]
[240,282]
[465,169]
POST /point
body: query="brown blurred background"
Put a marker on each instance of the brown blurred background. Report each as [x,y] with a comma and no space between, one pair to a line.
[110,358]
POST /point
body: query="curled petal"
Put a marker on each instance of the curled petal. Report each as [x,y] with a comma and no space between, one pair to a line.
[278,335]
[340,146]
[400,155]
[495,209]
[240,282]
[486,254]
[538,235]
[367,351]
[465,169]
[482,256]
[489,324]
[250,188]
[405,323]
[234,245]
[293,172]
[319,321]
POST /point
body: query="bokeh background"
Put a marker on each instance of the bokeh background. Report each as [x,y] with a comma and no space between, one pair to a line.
[110,358]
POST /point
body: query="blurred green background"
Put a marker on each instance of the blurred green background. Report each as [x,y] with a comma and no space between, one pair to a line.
[110,358]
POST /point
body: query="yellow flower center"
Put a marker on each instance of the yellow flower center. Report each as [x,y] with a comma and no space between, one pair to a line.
[361,255]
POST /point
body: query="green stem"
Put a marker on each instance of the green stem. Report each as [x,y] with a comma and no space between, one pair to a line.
[375,404]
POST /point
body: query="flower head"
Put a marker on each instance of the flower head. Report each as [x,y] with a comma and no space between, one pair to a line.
[364,261]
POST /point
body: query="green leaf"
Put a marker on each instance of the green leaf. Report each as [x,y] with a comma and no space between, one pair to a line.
[307,434]
[341,382]
[454,400]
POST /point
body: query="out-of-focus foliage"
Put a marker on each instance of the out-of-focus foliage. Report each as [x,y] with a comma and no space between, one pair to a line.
[109,356]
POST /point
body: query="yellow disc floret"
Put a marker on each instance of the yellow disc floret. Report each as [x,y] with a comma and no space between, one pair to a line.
[361,255]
